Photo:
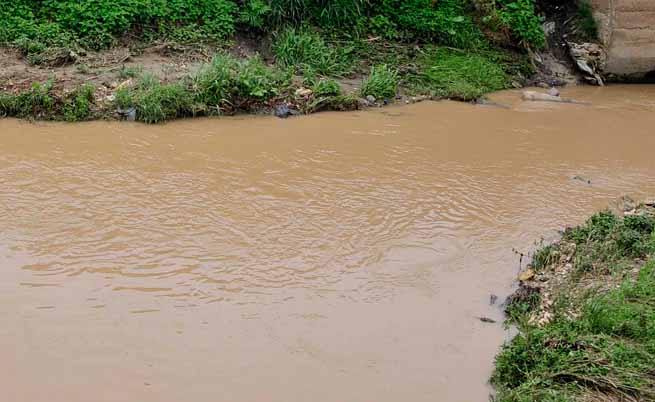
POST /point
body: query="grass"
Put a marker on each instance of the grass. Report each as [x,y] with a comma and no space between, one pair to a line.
[460,75]
[381,83]
[307,52]
[326,87]
[606,351]
[223,86]
[41,101]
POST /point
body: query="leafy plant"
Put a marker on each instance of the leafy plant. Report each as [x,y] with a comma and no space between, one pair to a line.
[303,50]
[520,17]
[227,84]
[254,13]
[156,102]
[327,87]
[382,82]
[78,106]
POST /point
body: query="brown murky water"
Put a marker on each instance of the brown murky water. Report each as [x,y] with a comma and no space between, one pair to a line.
[334,257]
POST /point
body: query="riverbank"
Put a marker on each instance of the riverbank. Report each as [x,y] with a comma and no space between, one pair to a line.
[65,61]
[155,84]
[585,310]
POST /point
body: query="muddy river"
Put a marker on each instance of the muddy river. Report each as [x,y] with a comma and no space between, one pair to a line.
[329,258]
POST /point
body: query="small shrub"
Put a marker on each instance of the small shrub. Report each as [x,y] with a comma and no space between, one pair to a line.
[78,105]
[381,25]
[597,228]
[303,50]
[156,102]
[38,101]
[382,82]
[327,87]
[255,13]
[228,84]
[445,21]
[520,17]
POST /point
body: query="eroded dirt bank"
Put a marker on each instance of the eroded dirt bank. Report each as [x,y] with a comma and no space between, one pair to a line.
[330,257]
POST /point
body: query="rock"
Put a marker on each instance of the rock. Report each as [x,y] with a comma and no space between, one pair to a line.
[538,96]
[549,27]
[131,114]
[124,84]
[304,92]
[553,91]
[526,275]
[370,99]
[282,111]
[363,103]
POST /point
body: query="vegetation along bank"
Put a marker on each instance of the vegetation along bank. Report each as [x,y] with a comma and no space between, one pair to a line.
[156,60]
[585,311]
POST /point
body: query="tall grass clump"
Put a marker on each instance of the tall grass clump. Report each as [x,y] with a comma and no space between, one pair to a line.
[41,101]
[460,75]
[381,83]
[306,51]
[156,102]
[228,84]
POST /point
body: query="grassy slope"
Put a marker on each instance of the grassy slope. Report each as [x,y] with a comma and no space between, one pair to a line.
[394,48]
[599,342]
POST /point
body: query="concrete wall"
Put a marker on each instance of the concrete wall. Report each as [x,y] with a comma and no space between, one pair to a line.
[627,30]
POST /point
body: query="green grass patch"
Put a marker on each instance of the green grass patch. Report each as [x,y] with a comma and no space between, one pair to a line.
[381,83]
[307,52]
[41,101]
[225,85]
[460,75]
[606,351]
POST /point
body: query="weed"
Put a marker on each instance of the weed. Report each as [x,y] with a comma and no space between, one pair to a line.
[130,72]
[254,13]
[444,21]
[382,82]
[326,87]
[78,105]
[520,17]
[305,50]
[229,84]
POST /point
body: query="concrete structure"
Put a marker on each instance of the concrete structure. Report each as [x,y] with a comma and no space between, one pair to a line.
[627,30]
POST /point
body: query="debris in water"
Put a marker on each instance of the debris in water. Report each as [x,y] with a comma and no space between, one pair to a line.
[492,299]
[526,275]
[582,179]
[487,320]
